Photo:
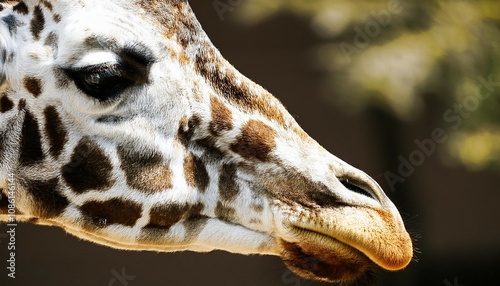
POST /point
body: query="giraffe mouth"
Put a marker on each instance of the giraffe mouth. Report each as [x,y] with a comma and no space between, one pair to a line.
[323,258]
[347,244]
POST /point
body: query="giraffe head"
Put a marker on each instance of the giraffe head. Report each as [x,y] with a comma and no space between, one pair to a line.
[122,124]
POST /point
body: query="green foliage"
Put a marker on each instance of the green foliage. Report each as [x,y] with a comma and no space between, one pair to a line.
[393,53]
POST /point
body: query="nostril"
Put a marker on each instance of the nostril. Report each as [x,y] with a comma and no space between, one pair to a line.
[357,189]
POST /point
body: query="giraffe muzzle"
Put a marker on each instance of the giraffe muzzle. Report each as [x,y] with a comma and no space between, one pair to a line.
[342,244]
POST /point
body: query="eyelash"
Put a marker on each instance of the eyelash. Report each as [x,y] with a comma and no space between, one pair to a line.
[104,82]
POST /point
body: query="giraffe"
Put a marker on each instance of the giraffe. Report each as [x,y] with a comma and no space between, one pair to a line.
[122,124]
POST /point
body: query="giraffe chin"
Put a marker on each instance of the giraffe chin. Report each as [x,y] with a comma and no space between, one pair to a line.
[335,263]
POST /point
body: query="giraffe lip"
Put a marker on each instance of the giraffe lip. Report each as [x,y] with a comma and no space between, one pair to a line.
[376,234]
[383,257]
[319,257]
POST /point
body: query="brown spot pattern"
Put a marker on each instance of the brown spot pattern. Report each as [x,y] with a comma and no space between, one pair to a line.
[95,41]
[195,212]
[257,140]
[51,40]
[144,169]
[257,208]
[54,128]
[225,212]
[37,23]
[31,144]
[241,95]
[222,118]
[188,31]
[255,221]
[207,144]
[89,168]
[165,216]
[22,104]
[292,187]
[33,85]
[5,104]
[21,8]
[114,211]
[175,17]
[195,172]
[4,203]
[183,58]
[228,187]
[187,128]
[47,4]
[211,152]
[194,222]
[48,201]
[302,134]
[57,18]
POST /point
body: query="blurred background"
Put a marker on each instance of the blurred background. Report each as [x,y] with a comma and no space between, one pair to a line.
[408,91]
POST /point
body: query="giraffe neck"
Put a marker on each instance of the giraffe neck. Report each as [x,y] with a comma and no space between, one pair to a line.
[218,77]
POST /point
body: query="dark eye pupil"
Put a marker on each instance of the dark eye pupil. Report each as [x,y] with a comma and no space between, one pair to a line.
[103,82]
[100,84]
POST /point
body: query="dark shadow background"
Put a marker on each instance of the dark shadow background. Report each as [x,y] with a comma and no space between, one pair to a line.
[452,212]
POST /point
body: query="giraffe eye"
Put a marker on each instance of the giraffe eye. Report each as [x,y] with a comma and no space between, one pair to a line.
[104,82]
